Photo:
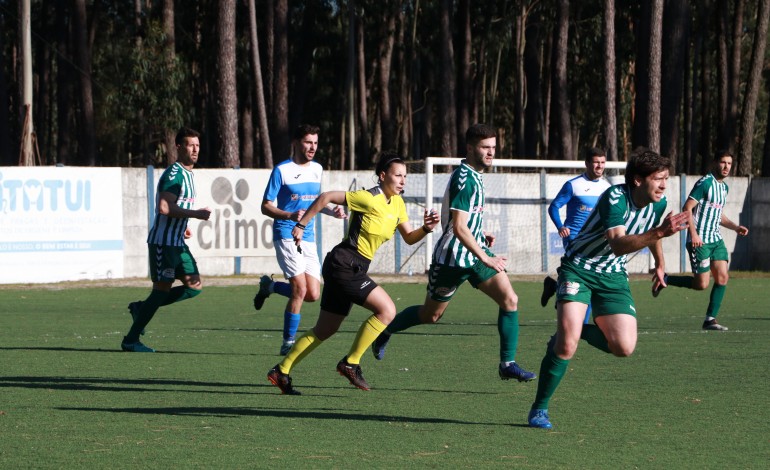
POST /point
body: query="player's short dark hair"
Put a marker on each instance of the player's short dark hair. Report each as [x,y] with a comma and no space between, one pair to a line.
[185,132]
[387,158]
[305,129]
[643,162]
[594,152]
[723,153]
[478,132]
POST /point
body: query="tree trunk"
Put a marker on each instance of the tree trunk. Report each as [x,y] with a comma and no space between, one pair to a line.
[259,89]
[766,148]
[227,97]
[246,123]
[446,104]
[87,146]
[752,90]
[706,111]
[280,111]
[169,48]
[6,153]
[561,111]
[64,87]
[404,90]
[653,109]
[534,146]
[675,42]
[610,129]
[363,156]
[383,82]
[269,53]
[518,32]
[640,123]
[464,71]
[733,91]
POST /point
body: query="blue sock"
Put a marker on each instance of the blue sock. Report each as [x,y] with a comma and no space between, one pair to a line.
[282,288]
[588,315]
[290,324]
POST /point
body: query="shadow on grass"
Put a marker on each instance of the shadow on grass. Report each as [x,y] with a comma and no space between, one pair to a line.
[116,350]
[101,384]
[234,412]
[104,384]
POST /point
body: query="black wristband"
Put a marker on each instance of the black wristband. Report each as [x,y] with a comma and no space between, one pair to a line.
[424,229]
[299,225]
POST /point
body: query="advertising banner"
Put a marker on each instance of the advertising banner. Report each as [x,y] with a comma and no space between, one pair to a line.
[60,224]
[237,226]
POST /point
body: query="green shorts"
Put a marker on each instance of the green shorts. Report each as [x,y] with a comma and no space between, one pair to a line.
[701,257]
[606,293]
[168,263]
[443,280]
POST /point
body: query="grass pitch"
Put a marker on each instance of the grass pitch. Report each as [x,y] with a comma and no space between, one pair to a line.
[685,399]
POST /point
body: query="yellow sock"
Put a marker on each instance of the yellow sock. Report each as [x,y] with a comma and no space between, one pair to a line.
[368,332]
[304,345]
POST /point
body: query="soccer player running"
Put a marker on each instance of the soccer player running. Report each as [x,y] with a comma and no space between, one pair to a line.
[375,215]
[579,195]
[294,185]
[593,271]
[170,258]
[705,245]
[462,254]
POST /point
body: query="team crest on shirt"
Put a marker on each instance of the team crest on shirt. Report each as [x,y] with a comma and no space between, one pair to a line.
[569,288]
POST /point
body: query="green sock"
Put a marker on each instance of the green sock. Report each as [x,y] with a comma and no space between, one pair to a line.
[680,281]
[594,336]
[508,329]
[180,293]
[552,370]
[407,318]
[715,301]
[150,305]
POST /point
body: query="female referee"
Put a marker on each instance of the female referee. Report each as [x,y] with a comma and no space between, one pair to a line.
[375,215]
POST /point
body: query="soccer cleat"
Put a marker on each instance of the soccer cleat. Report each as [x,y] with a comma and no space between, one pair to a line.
[657,286]
[286,346]
[712,325]
[135,347]
[133,309]
[513,371]
[549,289]
[263,292]
[379,345]
[539,419]
[282,381]
[353,373]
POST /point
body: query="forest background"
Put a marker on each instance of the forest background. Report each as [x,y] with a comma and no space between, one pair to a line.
[112,81]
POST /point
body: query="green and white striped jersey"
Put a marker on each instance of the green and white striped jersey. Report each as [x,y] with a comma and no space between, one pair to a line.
[465,192]
[591,250]
[711,196]
[165,230]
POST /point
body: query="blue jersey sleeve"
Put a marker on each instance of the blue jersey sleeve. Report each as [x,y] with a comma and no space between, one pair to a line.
[565,194]
[273,185]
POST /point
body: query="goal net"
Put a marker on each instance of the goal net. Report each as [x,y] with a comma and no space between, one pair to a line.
[518,193]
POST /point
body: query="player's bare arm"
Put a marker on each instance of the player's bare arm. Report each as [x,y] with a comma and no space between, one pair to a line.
[622,244]
[463,233]
[429,221]
[729,224]
[688,207]
[271,210]
[659,275]
[329,197]
[167,206]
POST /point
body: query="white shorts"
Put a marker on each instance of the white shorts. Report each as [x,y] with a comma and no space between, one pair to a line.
[293,263]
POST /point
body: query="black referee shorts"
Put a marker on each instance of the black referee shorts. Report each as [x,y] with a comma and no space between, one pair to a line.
[346,281]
